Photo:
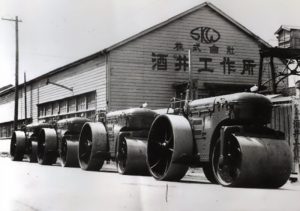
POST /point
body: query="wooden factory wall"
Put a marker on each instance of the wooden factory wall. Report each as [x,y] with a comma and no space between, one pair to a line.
[146,68]
[7,107]
[84,78]
[88,77]
[7,104]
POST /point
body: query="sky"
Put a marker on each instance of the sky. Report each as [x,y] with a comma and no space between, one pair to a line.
[54,33]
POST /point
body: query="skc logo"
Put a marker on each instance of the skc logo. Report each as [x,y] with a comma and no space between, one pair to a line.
[205,35]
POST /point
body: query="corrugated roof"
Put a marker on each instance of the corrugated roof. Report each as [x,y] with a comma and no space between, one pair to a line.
[151,29]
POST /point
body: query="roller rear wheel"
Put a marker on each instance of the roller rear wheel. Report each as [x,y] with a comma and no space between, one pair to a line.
[169,147]
[18,145]
[69,152]
[33,152]
[131,156]
[209,174]
[92,146]
[252,161]
[47,149]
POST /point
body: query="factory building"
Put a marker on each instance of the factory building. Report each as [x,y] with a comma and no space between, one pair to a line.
[288,36]
[151,66]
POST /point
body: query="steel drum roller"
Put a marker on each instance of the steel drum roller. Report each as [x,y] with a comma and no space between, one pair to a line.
[17,145]
[170,146]
[254,162]
[93,147]
[47,146]
[69,151]
[132,156]
[33,152]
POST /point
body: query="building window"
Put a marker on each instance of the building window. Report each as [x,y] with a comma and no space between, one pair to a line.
[41,111]
[3,131]
[81,103]
[91,101]
[90,115]
[56,108]
[63,107]
[49,110]
[81,106]
[71,105]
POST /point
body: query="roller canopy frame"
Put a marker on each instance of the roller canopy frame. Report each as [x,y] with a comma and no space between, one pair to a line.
[285,55]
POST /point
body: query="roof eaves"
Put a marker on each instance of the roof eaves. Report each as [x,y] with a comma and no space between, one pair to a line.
[287,28]
[282,27]
[240,26]
[58,70]
[7,91]
[65,67]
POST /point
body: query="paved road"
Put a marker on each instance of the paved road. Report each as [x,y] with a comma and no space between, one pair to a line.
[30,187]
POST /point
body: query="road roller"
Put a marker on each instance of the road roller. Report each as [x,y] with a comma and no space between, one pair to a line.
[120,136]
[225,135]
[24,142]
[60,141]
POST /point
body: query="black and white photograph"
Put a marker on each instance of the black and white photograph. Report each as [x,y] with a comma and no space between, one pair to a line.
[170,105]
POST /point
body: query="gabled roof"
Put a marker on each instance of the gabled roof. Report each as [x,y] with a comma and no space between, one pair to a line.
[151,29]
[287,28]
[174,18]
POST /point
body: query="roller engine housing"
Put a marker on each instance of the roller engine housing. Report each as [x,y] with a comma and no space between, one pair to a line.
[227,137]
[24,142]
[121,136]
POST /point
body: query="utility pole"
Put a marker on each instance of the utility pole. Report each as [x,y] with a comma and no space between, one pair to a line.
[16,20]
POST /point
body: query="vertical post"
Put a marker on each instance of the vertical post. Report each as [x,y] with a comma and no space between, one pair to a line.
[260,71]
[189,91]
[190,75]
[25,97]
[17,77]
[295,145]
[273,75]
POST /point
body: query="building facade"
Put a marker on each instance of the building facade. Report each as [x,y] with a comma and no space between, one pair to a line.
[288,36]
[151,67]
